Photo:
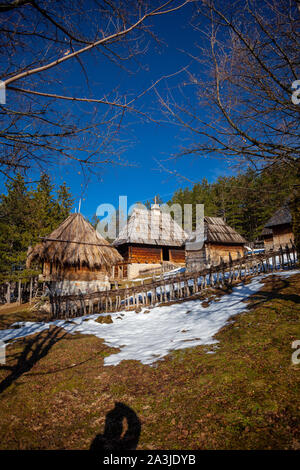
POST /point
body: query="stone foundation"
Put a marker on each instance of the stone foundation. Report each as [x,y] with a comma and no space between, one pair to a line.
[77,287]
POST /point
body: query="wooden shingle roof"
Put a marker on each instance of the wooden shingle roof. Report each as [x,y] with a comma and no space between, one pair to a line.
[281,217]
[216,231]
[151,227]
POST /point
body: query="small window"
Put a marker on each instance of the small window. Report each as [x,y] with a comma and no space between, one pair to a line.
[166,255]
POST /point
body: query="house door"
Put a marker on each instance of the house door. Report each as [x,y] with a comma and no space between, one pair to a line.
[166,256]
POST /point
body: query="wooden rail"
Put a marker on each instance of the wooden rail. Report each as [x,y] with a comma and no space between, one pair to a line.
[173,288]
[20,291]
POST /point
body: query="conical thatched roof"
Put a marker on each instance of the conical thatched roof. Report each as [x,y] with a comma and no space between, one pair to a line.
[75,243]
[151,227]
[216,231]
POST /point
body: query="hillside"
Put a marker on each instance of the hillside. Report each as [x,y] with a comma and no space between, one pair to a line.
[56,391]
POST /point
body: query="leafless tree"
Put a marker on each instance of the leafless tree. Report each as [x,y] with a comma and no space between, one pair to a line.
[42,41]
[247,87]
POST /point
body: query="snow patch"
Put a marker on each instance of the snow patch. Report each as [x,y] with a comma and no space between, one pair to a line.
[148,338]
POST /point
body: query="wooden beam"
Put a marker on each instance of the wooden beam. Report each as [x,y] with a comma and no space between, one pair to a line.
[45,239]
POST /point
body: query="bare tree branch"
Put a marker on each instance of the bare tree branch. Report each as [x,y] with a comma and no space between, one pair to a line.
[38,44]
[246,64]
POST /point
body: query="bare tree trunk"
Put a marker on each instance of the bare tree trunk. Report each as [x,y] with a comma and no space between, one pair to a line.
[20,292]
[30,290]
[8,293]
[294,205]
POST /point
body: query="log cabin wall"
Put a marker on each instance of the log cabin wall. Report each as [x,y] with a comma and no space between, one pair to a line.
[142,258]
[177,255]
[268,243]
[215,252]
[137,259]
[140,253]
[151,254]
[282,235]
[145,254]
[211,254]
[53,272]
[195,260]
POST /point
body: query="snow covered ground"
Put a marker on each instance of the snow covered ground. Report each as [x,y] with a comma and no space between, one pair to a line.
[148,337]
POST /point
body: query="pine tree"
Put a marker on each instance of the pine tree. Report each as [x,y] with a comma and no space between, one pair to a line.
[26,214]
[245,201]
[15,213]
[65,202]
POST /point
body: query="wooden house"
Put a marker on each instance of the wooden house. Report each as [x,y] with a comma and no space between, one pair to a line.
[281,226]
[75,258]
[267,237]
[218,242]
[150,238]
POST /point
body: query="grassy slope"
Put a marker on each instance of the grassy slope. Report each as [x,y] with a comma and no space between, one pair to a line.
[245,396]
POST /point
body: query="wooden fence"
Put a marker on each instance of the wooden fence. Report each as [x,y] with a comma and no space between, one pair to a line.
[20,291]
[173,288]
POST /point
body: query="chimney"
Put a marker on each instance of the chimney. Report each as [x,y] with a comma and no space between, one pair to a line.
[155,207]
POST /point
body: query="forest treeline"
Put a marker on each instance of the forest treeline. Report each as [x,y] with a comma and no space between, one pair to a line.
[26,214]
[246,201]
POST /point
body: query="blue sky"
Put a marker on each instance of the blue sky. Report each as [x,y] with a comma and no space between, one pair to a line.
[148,142]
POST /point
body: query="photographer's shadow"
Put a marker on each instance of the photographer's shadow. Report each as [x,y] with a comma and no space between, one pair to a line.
[112,439]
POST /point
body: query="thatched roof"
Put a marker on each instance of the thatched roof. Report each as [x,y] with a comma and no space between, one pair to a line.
[216,231]
[281,217]
[151,227]
[75,243]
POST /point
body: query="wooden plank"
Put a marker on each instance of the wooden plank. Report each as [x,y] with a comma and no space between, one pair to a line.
[30,290]
[19,292]
[8,293]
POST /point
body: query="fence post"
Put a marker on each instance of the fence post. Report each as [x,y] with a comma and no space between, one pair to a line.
[186,288]
[19,292]
[8,293]
[30,291]
[273,263]
[195,285]
[209,278]
[171,289]
[281,261]
[126,300]
[288,255]
[153,296]
[294,251]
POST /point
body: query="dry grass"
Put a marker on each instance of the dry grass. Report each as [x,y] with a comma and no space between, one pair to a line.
[246,396]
